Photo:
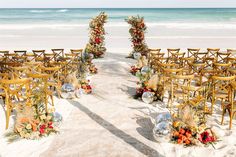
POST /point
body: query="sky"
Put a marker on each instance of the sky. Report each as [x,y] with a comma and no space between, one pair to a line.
[117,3]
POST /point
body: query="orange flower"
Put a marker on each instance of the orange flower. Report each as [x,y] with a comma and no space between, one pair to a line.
[180,141]
[189,135]
[24,120]
[187,141]
[181,131]
[176,133]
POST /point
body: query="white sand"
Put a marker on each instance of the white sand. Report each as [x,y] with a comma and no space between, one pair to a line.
[109,122]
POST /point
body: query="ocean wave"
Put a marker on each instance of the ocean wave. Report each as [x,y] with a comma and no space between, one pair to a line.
[37,26]
[47,11]
[190,25]
[150,25]
[40,11]
[62,10]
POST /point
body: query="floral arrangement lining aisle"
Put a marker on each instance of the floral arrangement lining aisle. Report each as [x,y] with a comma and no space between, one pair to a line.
[137,31]
[96,45]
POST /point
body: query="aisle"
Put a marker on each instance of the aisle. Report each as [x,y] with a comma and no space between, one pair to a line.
[109,122]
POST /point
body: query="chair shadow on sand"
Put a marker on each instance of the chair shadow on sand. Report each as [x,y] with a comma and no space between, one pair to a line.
[146,127]
[132,141]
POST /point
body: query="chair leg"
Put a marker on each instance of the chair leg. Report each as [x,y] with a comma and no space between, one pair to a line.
[223,114]
[8,112]
[51,96]
[212,104]
[230,120]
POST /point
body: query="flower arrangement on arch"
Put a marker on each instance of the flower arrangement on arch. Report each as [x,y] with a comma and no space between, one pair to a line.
[137,31]
[96,44]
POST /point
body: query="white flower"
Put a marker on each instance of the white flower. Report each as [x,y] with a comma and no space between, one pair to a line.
[28,126]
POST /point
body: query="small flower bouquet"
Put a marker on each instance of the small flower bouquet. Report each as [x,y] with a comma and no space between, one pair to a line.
[84,84]
[189,130]
[207,137]
[35,127]
[184,136]
[93,69]
[134,70]
[34,122]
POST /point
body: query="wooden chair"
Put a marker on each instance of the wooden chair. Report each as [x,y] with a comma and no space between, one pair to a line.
[54,78]
[192,52]
[20,72]
[221,57]
[221,69]
[167,81]
[212,52]
[17,92]
[3,56]
[20,52]
[197,68]
[230,106]
[232,51]
[221,89]
[58,54]
[78,52]
[41,81]
[174,55]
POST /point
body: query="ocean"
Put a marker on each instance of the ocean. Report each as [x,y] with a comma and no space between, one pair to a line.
[63,17]
[55,28]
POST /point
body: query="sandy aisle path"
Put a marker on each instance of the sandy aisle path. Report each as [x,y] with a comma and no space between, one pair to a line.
[108,122]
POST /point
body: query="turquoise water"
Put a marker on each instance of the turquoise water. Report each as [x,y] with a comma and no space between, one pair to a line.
[82,16]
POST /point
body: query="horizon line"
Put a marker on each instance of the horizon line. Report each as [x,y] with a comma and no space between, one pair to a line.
[120,8]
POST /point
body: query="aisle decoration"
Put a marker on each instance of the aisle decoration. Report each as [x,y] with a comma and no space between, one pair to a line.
[137,31]
[33,122]
[75,87]
[188,128]
[96,45]
[149,89]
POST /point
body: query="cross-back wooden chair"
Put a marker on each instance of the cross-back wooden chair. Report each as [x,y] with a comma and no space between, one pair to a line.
[78,52]
[174,55]
[20,52]
[232,51]
[58,54]
[167,80]
[212,52]
[192,52]
[20,72]
[38,55]
[222,56]
[221,69]
[180,88]
[211,56]
[197,68]
[221,89]
[72,62]
[10,57]
[54,78]
[17,92]
[41,81]
[154,54]
[230,106]
[3,56]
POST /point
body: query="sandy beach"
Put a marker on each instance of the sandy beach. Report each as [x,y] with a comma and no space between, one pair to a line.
[109,122]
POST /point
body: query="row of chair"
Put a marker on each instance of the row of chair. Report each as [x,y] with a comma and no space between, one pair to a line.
[24,75]
[196,81]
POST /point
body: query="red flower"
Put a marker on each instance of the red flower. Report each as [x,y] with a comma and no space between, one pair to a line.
[43,126]
[97,40]
[206,138]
